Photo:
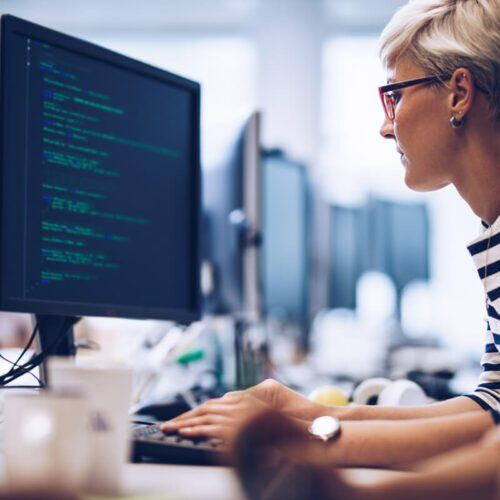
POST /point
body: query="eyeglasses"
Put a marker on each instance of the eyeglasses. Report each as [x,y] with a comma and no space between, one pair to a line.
[389,98]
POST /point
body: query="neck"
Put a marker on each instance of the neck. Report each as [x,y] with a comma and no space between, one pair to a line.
[478,174]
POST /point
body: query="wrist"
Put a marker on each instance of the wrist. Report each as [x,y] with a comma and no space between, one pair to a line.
[341,412]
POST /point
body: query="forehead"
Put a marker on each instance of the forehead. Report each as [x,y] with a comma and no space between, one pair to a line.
[404,69]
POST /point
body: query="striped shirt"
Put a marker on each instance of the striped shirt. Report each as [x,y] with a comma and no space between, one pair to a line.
[485,251]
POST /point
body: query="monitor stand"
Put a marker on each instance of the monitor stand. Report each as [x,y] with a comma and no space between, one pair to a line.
[49,328]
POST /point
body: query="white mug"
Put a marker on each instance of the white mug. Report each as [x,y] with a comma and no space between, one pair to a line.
[390,393]
[108,389]
[46,441]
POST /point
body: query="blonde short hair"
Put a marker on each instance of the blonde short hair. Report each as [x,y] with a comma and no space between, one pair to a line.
[443,35]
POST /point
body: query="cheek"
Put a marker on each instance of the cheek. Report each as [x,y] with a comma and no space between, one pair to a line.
[422,134]
[425,144]
[405,130]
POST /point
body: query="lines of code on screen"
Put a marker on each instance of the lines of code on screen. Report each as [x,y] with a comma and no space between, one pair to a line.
[106,183]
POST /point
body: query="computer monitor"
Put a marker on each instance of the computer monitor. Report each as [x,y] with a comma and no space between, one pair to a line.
[349,250]
[381,235]
[231,203]
[100,182]
[285,240]
[402,235]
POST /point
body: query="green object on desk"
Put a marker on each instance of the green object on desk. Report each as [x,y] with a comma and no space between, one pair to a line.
[190,356]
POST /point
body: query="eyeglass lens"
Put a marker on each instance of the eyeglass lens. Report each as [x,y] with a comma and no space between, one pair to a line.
[389,104]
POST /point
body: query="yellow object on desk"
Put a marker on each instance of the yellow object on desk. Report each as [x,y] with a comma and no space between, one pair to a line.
[329,395]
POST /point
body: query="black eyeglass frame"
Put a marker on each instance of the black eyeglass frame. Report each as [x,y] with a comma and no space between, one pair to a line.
[384,89]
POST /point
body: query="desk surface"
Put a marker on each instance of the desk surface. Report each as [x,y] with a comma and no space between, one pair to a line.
[181,482]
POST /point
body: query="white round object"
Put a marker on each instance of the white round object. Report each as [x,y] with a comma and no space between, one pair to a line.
[402,393]
[368,389]
[325,427]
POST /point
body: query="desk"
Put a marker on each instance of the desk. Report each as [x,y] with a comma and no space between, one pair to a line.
[187,482]
[182,482]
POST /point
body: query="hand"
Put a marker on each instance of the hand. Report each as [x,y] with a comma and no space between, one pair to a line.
[217,418]
[221,417]
[276,458]
[292,404]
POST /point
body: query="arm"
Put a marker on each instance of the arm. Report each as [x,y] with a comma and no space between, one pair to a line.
[387,443]
[452,406]
[294,405]
[468,473]
[299,463]
[374,442]
[221,417]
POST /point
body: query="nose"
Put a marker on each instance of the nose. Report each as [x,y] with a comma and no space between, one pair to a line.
[387,129]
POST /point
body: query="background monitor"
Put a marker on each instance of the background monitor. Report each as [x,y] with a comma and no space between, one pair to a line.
[401,233]
[382,235]
[348,254]
[231,201]
[100,176]
[285,240]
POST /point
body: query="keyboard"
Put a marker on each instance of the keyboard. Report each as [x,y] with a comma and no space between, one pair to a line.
[151,444]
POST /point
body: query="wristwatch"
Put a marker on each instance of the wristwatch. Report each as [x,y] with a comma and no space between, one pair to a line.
[325,428]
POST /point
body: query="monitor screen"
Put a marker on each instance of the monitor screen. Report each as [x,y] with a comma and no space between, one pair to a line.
[100,181]
[401,231]
[349,251]
[285,239]
[382,235]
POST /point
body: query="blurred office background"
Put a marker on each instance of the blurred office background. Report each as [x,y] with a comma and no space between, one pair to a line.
[387,264]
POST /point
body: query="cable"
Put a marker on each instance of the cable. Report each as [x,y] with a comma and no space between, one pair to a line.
[21,387]
[37,359]
[16,364]
[28,345]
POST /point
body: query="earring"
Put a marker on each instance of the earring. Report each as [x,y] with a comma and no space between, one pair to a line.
[456,123]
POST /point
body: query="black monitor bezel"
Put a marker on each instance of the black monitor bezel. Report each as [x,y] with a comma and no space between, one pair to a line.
[12,25]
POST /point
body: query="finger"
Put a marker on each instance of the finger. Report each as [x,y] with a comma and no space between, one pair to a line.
[232,395]
[199,410]
[214,409]
[214,400]
[203,420]
[188,414]
[211,431]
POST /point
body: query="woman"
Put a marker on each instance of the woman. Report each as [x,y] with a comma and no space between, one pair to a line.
[442,106]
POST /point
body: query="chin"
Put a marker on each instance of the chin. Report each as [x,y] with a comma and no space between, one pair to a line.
[421,183]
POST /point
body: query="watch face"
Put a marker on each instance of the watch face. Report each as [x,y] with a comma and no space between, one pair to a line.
[325,427]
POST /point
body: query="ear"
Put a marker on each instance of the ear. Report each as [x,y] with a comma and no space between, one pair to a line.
[462,93]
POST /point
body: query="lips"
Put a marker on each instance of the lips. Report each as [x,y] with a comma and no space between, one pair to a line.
[402,156]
